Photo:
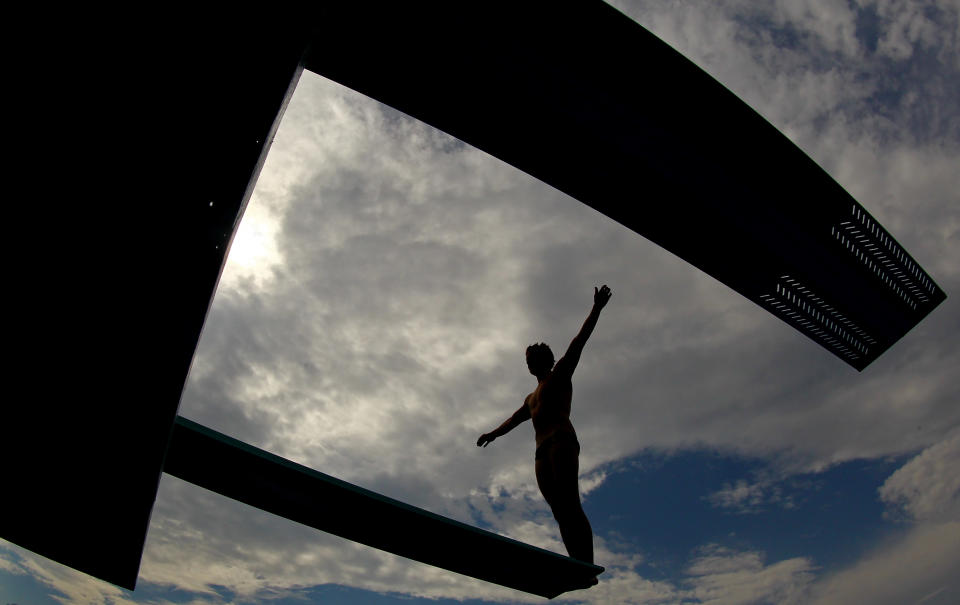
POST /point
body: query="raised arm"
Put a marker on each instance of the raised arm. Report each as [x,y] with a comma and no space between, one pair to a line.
[518,418]
[571,358]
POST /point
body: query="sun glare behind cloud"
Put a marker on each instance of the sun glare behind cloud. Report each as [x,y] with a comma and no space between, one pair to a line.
[253,252]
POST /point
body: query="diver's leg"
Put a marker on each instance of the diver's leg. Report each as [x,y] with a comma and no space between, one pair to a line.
[557,477]
[545,479]
[574,527]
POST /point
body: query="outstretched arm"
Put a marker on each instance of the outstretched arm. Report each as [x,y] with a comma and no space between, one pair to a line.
[518,418]
[571,358]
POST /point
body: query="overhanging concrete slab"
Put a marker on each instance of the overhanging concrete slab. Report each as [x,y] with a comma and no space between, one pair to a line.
[586,100]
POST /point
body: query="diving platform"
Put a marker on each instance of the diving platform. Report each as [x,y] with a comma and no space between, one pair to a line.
[250,475]
[588,101]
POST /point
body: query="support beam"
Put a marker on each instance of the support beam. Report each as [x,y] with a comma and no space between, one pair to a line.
[176,121]
[240,471]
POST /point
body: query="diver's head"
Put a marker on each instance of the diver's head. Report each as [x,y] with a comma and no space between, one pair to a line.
[539,359]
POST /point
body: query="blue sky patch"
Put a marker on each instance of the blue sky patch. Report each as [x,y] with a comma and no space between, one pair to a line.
[666,504]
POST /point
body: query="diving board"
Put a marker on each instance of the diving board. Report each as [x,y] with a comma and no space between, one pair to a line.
[240,471]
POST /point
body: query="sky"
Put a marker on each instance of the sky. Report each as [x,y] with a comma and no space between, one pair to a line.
[386,278]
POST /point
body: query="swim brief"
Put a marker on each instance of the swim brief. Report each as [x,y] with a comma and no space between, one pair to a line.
[558,438]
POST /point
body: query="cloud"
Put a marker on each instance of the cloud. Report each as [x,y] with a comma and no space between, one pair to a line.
[911,27]
[627,587]
[928,487]
[919,564]
[715,575]
[721,576]
[61,583]
[745,497]
[590,482]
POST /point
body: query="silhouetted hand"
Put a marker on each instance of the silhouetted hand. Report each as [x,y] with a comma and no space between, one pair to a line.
[485,439]
[601,296]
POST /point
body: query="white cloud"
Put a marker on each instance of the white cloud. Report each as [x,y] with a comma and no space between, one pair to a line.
[63,584]
[253,255]
[832,23]
[11,564]
[916,26]
[720,576]
[592,481]
[928,487]
[743,496]
[716,576]
[919,565]
[625,587]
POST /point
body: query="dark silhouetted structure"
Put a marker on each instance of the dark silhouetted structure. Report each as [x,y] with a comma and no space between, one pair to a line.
[139,139]
[242,472]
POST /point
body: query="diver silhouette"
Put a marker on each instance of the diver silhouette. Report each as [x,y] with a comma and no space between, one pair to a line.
[557,453]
